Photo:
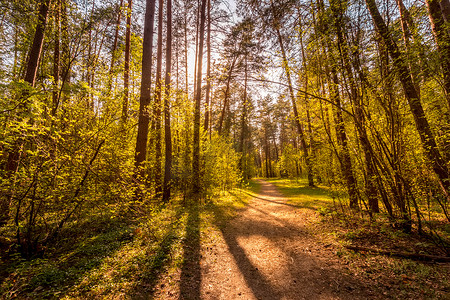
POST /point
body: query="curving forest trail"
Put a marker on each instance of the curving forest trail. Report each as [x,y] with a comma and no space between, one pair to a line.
[265,253]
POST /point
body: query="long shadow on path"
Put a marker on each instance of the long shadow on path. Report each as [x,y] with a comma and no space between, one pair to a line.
[190,281]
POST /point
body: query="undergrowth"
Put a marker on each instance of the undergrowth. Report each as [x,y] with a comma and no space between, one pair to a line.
[334,224]
[110,256]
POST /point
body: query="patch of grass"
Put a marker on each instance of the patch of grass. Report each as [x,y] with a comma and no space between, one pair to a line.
[304,196]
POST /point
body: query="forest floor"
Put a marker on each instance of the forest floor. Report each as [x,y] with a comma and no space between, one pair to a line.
[279,249]
[275,239]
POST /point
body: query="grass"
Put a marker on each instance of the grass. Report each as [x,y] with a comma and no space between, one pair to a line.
[106,256]
[302,195]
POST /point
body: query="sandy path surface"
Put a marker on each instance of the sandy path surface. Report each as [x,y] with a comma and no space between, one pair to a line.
[266,253]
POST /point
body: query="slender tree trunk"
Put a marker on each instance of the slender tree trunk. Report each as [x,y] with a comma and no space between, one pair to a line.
[56,58]
[242,139]
[208,69]
[346,164]
[126,72]
[167,129]
[186,47]
[422,125]
[226,95]
[113,52]
[267,155]
[294,107]
[66,59]
[158,103]
[197,27]
[146,84]
[196,188]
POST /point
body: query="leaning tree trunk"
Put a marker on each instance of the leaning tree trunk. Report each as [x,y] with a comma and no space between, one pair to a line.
[226,96]
[294,107]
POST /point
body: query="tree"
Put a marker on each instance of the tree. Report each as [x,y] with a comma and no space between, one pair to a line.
[167,128]
[208,70]
[196,185]
[145,95]
[126,72]
[158,103]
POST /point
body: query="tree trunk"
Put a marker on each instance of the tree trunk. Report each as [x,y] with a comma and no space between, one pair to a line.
[226,95]
[56,58]
[145,93]
[294,107]
[242,138]
[66,59]
[158,103]
[113,52]
[208,69]
[167,129]
[196,187]
[126,72]
[36,48]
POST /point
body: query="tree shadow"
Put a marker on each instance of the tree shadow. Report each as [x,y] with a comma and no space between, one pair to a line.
[304,277]
[151,270]
[190,280]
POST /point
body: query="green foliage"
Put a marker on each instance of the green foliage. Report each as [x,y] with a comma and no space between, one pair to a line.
[288,162]
[221,170]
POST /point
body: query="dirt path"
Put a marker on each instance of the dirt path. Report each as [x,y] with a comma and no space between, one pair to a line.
[266,253]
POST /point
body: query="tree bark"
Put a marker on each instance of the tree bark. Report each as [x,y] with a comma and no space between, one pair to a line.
[196,187]
[242,138]
[208,69]
[126,72]
[226,95]
[145,93]
[294,107]
[56,58]
[113,52]
[158,103]
[36,48]
[167,129]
